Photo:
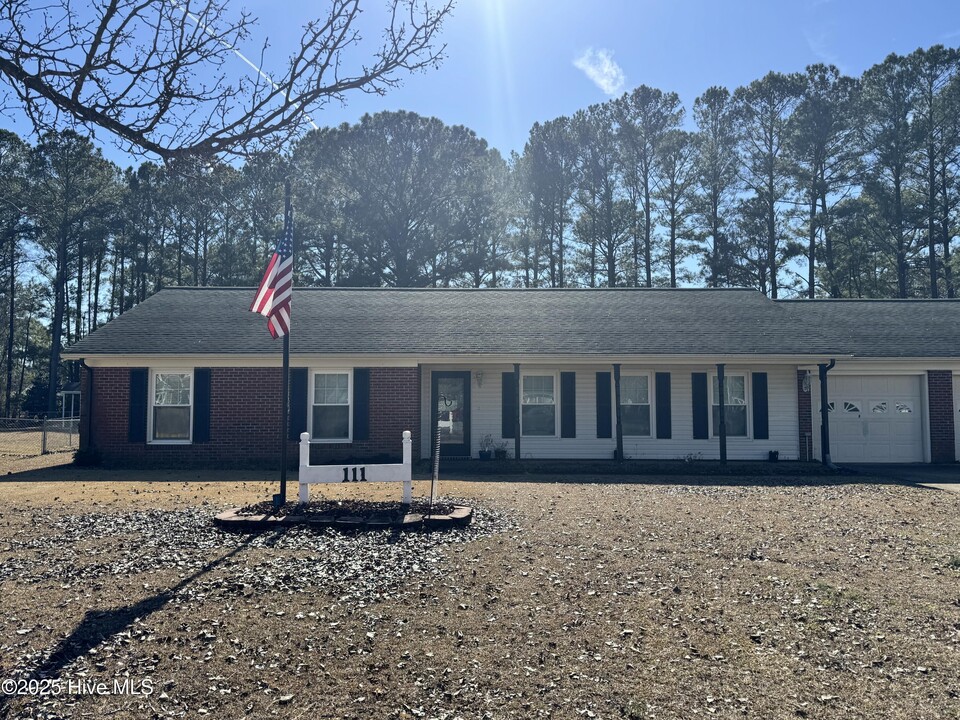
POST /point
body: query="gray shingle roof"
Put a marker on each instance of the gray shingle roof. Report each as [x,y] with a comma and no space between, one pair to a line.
[881,328]
[434,322]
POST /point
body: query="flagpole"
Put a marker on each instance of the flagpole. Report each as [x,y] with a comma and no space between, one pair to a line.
[281,499]
[286,419]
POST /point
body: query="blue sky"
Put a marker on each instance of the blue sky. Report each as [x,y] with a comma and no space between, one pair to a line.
[511,63]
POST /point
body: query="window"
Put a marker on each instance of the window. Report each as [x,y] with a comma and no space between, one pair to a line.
[538,405]
[331,407]
[172,396]
[735,413]
[635,404]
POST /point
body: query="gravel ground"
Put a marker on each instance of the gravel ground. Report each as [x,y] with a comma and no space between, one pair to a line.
[777,600]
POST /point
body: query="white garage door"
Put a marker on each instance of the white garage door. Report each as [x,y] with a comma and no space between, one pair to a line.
[876,418]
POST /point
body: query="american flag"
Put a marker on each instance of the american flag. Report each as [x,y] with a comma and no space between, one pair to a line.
[276,288]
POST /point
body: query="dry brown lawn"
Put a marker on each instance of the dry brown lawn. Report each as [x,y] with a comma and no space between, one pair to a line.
[566,600]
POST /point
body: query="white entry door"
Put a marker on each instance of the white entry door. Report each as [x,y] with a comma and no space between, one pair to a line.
[876,418]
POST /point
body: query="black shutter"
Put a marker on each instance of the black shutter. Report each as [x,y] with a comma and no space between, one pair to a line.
[137,411]
[201,405]
[701,408]
[568,405]
[361,404]
[664,415]
[508,406]
[761,417]
[299,401]
[604,406]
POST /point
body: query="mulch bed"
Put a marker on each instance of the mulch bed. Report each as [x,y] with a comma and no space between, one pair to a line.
[337,508]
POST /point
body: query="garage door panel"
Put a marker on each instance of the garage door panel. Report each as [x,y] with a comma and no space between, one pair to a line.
[879,430]
[876,418]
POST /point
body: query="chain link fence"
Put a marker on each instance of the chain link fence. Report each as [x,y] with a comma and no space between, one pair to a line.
[20,437]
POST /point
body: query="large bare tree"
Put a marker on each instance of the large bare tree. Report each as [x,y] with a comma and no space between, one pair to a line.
[155,73]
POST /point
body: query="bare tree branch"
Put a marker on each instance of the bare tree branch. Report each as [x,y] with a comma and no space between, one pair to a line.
[154,72]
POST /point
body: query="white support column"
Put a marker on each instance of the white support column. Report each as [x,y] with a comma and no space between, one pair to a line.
[407,467]
[304,462]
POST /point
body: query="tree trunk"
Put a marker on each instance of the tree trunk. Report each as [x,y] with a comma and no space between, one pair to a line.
[56,324]
[945,229]
[673,246]
[11,324]
[78,320]
[812,249]
[23,360]
[901,243]
[647,249]
[931,218]
[95,312]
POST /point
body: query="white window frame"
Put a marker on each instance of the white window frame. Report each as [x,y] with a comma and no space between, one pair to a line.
[650,400]
[745,374]
[556,402]
[311,404]
[151,400]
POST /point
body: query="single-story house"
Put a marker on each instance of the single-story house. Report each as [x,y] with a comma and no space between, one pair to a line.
[190,375]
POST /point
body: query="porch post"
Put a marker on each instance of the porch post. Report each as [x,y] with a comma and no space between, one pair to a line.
[722,430]
[823,369]
[616,405]
[516,411]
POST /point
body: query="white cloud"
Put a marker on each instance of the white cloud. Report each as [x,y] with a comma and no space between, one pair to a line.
[600,67]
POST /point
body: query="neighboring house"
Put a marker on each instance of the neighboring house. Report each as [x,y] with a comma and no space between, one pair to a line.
[190,375]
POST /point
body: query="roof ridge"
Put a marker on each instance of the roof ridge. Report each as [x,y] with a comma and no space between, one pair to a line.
[827,301]
[467,289]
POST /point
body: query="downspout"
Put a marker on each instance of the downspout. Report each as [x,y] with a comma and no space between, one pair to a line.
[722,430]
[825,415]
[619,413]
[88,436]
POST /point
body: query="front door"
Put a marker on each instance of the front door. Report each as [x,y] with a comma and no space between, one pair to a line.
[451,412]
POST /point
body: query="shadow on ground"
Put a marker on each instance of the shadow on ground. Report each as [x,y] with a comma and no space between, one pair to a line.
[98,626]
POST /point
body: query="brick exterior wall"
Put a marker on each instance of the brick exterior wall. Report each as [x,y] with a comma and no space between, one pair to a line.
[244,420]
[940,398]
[394,407]
[805,418]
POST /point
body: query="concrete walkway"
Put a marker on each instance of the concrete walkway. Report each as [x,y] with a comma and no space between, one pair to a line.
[942,477]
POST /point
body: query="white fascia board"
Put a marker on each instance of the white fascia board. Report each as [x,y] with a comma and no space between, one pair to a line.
[241,360]
[386,360]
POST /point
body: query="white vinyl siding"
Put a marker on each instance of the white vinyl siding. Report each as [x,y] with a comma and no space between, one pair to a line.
[486,415]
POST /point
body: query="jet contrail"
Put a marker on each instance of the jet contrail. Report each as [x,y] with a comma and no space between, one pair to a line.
[233,49]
